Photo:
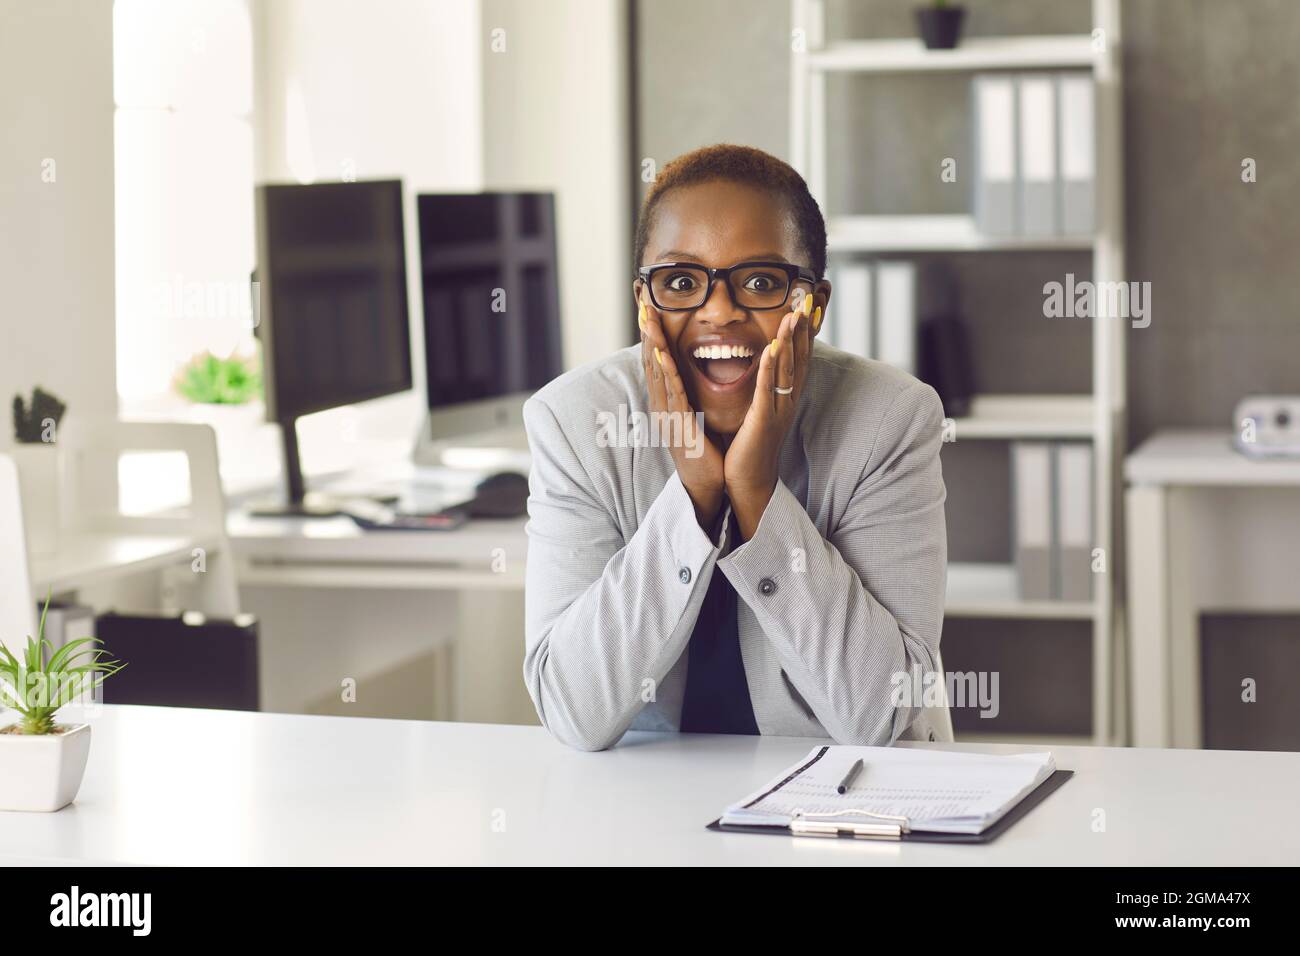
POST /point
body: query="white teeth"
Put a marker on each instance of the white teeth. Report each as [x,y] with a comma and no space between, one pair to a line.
[723,351]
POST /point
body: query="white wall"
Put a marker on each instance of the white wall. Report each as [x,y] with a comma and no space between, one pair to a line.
[555,117]
[56,238]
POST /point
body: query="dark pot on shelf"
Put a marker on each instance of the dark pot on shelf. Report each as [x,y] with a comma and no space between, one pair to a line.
[940,26]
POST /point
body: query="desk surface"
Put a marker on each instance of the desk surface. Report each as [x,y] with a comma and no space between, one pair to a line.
[167,786]
[1184,456]
[340,538]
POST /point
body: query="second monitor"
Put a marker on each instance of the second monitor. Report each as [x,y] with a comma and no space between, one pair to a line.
[491,316]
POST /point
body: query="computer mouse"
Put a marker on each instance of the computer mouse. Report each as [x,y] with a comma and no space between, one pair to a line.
[503,495]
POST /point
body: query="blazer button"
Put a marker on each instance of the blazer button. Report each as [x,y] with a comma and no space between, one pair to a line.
[684,575]
[767,586]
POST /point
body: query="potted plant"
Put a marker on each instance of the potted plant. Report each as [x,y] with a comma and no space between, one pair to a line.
[223,392]
[940,24]
[208,380]
[36,457]
[42,761]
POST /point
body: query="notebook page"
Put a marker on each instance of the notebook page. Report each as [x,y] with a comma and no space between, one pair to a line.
[935,790]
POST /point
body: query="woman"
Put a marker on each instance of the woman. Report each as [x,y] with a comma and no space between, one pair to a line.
[780,571]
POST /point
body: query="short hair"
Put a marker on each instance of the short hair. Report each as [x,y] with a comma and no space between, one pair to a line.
[750,167]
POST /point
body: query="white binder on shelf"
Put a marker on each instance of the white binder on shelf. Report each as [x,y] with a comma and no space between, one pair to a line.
[895,332]
[1077,124]
[67,622]
[850,316]
[995,154]
[1033,512]
[1036,110]
[1074,519]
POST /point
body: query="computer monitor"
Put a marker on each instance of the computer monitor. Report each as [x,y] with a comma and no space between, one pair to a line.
[491,315]
[334,325]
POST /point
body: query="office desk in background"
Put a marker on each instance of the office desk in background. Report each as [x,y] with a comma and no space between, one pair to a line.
[1208,529]
[185,787]
[478,568]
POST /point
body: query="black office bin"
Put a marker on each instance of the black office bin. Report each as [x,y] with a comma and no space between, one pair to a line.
[181,660]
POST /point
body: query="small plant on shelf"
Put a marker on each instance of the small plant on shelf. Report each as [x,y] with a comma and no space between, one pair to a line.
[208,379]
[36,422]
[940,24]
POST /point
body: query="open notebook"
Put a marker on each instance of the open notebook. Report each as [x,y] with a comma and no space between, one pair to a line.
[913,790]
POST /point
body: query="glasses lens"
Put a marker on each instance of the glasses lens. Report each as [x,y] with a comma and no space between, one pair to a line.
[679,287]
[760,286]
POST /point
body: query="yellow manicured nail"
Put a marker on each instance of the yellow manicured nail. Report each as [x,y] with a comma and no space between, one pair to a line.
[659,358]
[775,347]
[640,316]
[817,318]
[807,305]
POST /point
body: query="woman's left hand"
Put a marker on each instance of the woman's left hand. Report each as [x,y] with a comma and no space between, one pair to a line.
[751,467]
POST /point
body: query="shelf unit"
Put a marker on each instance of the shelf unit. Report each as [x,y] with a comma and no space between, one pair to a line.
[989,590]
[1012,417]
[909,55]
[933,233]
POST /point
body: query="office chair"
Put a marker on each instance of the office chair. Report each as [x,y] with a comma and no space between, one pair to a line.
[941,717]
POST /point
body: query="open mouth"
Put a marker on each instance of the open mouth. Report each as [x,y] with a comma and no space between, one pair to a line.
[724,364]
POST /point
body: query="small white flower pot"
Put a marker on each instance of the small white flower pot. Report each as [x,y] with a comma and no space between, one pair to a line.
[38,484]
[42,773]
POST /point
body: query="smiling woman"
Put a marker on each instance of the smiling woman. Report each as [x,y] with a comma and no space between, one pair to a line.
[783,571]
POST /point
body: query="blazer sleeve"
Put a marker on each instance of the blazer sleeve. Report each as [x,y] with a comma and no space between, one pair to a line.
[853,614]
[605,619]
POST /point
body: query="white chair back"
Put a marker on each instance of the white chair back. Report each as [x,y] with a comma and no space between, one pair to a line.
[94,446]
[941,717]
[17,609]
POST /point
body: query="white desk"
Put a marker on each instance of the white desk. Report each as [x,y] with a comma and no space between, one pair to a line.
[333,552]
[1207,529]
[168,786]
[475,634]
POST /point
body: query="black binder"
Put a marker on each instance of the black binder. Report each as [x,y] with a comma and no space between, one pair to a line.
[176,660]
[896,833]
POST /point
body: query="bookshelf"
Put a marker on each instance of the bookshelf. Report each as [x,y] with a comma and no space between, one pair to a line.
[909,55]
[990,590]
[932,233]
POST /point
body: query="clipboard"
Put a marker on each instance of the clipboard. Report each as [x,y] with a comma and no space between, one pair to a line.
[895,829]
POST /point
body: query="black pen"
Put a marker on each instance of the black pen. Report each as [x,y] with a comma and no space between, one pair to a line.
[850,776]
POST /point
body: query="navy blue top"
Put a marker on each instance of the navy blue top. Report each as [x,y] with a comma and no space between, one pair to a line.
[717,694]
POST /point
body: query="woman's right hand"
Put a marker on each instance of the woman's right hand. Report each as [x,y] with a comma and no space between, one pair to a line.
[698,461]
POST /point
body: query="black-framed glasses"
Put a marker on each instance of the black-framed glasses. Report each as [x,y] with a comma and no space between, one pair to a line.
[678,286]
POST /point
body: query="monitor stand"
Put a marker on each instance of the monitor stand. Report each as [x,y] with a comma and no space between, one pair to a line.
[300,503]
[489,451]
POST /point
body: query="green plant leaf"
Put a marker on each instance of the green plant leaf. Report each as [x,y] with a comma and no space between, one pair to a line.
[209,380]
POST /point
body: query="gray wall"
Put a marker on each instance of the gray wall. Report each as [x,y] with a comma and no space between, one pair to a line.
[56,233]
[1207,83]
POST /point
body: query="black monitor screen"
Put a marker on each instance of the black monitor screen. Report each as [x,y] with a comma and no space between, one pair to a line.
[491,296]
[332,257]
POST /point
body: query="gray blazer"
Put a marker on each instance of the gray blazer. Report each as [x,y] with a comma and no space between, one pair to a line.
[840,590]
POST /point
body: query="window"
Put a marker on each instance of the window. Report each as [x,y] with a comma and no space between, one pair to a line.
[183,86]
